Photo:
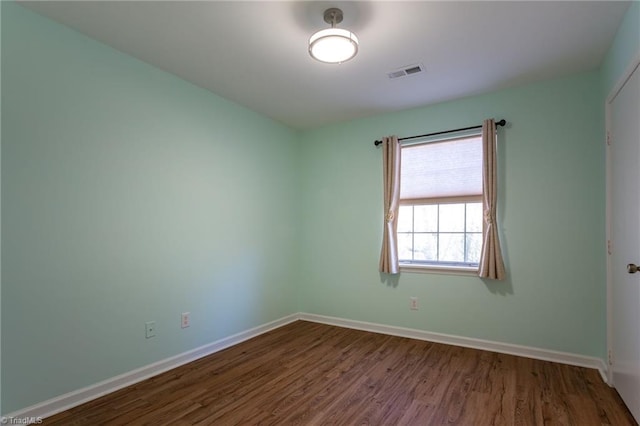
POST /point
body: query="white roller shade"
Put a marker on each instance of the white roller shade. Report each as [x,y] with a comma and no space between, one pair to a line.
[444,169]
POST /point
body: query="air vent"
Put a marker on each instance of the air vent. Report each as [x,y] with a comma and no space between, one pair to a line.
[406,71]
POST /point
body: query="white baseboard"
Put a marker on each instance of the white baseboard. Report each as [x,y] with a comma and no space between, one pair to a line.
[80,396]
[468,342]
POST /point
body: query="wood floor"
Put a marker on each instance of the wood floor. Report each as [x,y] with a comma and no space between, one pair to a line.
[314,374]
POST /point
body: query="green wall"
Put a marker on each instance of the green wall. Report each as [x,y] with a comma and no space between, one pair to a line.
[129,195]
[552,223]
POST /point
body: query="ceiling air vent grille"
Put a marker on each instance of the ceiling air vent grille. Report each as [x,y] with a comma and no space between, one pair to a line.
[406,71]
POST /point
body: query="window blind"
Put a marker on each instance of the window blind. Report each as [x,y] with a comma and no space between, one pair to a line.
[440,170]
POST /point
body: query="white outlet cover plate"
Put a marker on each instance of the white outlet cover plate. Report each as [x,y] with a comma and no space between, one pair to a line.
[185,320]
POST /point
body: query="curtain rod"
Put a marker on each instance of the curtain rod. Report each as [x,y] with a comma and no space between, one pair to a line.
[498,123]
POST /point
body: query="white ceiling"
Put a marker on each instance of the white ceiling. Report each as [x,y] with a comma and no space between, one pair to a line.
[255,53]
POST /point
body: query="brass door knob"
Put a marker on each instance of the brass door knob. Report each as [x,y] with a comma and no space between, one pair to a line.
[632,268]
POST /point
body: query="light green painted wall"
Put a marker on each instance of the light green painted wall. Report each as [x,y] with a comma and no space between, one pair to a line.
[129,195]
[552,223]
[625,48]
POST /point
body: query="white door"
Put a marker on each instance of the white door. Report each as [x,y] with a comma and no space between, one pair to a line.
[624,128]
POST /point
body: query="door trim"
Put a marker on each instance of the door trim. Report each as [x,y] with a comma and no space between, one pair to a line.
[626,75]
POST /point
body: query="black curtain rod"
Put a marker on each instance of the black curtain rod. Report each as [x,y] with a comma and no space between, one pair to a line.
[498,123]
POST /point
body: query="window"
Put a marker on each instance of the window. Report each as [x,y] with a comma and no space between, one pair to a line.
[440,217]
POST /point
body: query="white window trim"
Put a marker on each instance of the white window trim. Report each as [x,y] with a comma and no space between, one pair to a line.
[470,271]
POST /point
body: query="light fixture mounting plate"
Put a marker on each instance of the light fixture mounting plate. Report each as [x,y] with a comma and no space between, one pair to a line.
[333,16]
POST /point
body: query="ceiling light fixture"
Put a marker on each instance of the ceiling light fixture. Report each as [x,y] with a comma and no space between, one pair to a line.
[333,45]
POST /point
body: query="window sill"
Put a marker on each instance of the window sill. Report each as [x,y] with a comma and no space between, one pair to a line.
[434,269]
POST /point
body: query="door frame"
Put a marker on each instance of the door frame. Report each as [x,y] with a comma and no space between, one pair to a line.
[626,75]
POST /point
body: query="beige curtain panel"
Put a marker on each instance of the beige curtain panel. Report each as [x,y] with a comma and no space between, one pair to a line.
[491,262]
[391,180]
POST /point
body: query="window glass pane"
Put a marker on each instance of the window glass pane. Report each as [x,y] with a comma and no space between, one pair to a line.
[426,246]
[451,247]
[405,246]
[474,247]
[474,217]
[405,219]
[451,218]
[426,218]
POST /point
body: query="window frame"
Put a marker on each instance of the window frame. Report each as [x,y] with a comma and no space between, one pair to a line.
[434,267]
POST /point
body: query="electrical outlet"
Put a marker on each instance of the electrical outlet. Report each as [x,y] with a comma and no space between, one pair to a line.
[150,329]
[413,303]
[185,319]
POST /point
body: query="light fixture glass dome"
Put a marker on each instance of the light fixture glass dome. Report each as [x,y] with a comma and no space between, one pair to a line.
[333,45]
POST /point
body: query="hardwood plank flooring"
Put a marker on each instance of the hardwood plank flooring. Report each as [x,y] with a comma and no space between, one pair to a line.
[314,374]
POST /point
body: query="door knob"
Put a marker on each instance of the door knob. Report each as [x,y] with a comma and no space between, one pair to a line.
[632,268]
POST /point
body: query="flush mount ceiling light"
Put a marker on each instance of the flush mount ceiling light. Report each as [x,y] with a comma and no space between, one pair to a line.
[333,45]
